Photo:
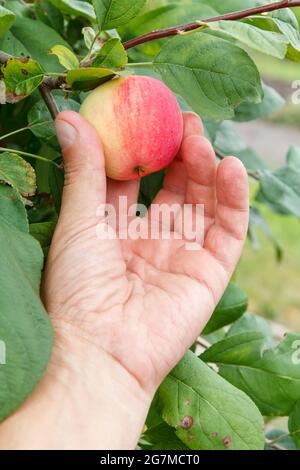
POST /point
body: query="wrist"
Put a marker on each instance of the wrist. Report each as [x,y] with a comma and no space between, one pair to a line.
[106,397]
[86,400]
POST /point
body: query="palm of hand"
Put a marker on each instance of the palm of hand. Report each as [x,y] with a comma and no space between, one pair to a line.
[144,302]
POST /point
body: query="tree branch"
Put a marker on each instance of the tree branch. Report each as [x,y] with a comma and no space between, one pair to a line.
[47,96]
[238,15]
[52,83]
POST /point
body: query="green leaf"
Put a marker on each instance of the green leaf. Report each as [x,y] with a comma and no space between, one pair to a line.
[214,337]
[89,35]
[257,220]
[42,210]
[294,424]
[234,5]
[88,78]
[111,55]
[7,18]
[17,172]
[11,45]
[287,23]
[27,31]
[271,103]
[76,8]
[277,439]
[12,209]
[281,189]
[211,128]
[270,376]
[113,13]
[206,411]
[251,322]
[24,325]
[49,14]
[163,437]
[21,77]
[43,233]
[150,185]
[39,114]
[212,75]
[169,15]
[267,42]
[66,57]
[232,305]
[159,435]
[229,142]
[293,158]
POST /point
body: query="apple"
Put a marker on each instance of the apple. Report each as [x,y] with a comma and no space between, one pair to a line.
[139,122]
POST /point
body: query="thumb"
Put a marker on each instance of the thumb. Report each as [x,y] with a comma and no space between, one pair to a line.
[85,180]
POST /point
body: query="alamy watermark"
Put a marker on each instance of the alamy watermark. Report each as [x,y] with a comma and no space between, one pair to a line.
[296,353]
[2,353]
[296,95]
[161,222]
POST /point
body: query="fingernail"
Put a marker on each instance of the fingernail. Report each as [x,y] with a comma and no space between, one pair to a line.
[66,133]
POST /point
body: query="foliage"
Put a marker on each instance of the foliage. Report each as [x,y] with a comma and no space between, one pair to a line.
[81,45]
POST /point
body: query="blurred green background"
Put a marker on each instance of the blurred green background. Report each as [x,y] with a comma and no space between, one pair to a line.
[273,286]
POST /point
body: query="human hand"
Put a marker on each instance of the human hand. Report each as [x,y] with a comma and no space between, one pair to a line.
[142,302]
[125,311]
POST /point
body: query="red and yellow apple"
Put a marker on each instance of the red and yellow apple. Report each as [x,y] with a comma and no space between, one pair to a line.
[139,123]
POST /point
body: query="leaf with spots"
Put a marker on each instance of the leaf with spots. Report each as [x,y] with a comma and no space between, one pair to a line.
[21,77]
[17,172]
[208,412]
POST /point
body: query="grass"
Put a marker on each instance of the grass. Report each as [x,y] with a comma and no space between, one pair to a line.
[272,286]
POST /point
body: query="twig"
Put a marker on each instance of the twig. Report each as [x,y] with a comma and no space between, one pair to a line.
[59,82]
[47,96]
[273,445]
[238,15]
[252,174]
[52,83]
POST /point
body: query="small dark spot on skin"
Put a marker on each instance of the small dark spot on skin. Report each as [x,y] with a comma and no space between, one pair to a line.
[24,71]
[187,402]
[186,422]
[214,434]
[25,60]
[227,441]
